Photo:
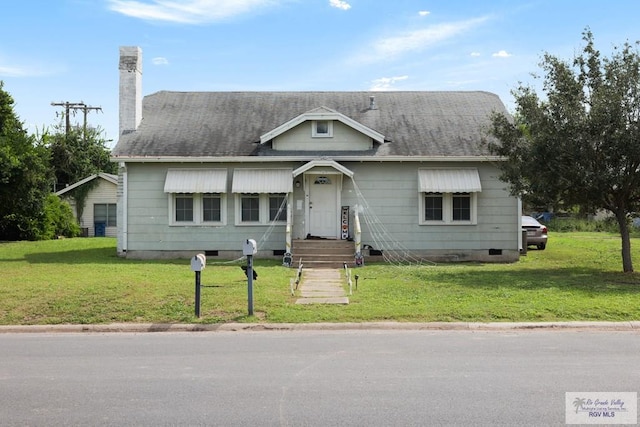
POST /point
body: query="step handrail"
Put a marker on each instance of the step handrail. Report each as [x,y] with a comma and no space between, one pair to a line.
[357,238]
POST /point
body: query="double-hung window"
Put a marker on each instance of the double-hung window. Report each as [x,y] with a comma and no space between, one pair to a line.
[212,207]
[261,195]
[448,196]
[250,207]
[263,208]
[106,213]
[196,196]
[448,208]
[196,209]
[183,207]
[277,207]
[433,206]
[461,204]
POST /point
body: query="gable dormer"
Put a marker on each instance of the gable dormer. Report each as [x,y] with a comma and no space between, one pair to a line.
[322,129]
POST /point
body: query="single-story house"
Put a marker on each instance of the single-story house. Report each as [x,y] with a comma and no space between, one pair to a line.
[99,216]
[392,171]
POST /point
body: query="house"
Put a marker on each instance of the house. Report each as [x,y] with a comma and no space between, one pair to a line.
[99,215]
[402,173]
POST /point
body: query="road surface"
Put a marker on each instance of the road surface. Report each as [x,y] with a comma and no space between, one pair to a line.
[309,378]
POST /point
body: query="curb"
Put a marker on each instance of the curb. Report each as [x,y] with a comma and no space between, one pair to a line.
[368,326]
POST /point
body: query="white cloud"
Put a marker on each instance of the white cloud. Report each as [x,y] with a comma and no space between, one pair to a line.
[424,13]
[159,60]
[8,71]
[501,54]
[386,83]
[475,54]
[26,69]
[340,4]
[186,11]
[417,40]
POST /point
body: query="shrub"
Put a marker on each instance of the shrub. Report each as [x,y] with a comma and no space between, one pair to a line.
[59,219]
[570,224]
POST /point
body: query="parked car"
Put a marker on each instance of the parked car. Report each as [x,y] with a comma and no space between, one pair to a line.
[536,232]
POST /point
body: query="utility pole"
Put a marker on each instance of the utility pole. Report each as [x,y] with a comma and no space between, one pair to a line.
[74,106]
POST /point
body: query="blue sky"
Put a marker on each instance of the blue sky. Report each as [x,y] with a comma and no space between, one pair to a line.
[67,50]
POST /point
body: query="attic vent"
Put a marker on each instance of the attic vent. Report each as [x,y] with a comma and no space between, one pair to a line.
[372,103]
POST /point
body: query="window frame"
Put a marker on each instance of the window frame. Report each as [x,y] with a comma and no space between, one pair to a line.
[109,221]
[264,209]
[448,208]
[198,209]
[314,129]
[456,209]
[250,197]
[212,196]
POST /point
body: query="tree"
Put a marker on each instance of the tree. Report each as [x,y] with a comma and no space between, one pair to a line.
[24,177]
[580,142]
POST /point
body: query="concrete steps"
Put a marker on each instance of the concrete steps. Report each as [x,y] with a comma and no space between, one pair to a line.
[322,253]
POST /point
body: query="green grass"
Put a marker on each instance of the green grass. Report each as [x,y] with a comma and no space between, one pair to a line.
[82,281]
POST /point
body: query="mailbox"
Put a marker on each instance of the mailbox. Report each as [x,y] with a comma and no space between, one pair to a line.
[198,262]
[249,247]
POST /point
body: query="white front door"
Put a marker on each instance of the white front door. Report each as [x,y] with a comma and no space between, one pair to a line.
[323,205]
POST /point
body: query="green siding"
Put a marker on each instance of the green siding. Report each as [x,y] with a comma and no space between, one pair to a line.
[390,190]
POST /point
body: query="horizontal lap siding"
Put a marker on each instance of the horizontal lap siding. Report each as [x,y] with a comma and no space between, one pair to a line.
[391,192]
[148,208]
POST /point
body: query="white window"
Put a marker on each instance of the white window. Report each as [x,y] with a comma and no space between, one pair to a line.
[448,196]
[448,208]
[322,129]
[197,209]
[106,213]
[261,208]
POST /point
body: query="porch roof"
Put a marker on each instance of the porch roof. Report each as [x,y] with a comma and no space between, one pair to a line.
[323,162]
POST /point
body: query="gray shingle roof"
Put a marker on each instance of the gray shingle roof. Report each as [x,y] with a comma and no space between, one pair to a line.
[195,124]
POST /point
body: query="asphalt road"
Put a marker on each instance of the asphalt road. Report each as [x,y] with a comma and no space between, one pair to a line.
[309,378]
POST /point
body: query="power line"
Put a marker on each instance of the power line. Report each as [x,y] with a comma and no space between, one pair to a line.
[72,107]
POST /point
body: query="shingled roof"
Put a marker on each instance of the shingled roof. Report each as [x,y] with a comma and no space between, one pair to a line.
[229,124]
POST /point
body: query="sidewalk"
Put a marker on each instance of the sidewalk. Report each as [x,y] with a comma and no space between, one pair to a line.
[322,286]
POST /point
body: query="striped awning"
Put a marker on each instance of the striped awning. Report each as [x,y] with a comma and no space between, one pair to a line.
[449,180]
[262,181]
[196,181]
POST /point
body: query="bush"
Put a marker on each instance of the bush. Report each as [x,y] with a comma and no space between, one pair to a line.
[569,224]
[59,219]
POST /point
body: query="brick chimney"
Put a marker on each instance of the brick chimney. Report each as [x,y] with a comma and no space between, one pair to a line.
[130,88]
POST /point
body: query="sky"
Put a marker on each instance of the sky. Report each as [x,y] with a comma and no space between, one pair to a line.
[56,51]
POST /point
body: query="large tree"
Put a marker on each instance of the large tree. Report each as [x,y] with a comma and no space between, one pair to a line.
[24,177]
[579,141]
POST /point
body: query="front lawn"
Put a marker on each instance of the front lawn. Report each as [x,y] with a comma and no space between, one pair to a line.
[82,281]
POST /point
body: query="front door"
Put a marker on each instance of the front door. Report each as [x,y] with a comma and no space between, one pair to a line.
[323,205]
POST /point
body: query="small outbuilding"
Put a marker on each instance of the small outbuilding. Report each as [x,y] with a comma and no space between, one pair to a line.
[98,216]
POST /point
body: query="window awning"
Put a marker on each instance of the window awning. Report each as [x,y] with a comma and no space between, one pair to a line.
[196,181]
[449,180]
[262,181]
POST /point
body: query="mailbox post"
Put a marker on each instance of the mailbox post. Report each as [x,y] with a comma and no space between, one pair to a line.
[198,264]
[249,249]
